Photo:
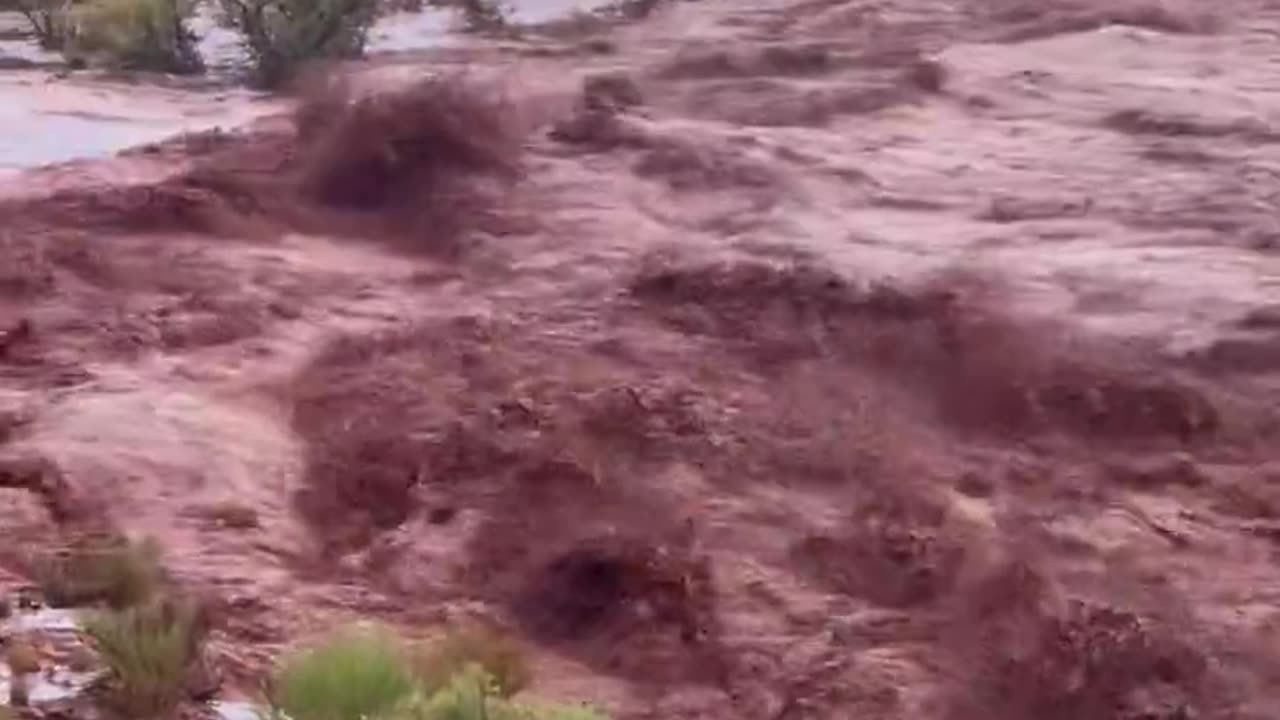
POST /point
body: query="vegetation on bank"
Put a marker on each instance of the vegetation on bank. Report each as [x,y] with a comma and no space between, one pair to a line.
[358,673]
[150,651]
[50,21]
[501,656]
[124,34]
[111,571]
[365,673]
[137,35]
[280,37]
[149,638]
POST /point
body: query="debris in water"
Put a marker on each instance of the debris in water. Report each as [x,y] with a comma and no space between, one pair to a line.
[54,670]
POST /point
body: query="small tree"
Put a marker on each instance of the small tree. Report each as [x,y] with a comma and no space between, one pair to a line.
[281,35]
[50,20]
[138,34]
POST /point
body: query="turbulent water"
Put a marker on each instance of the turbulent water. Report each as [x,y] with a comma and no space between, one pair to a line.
[761,360]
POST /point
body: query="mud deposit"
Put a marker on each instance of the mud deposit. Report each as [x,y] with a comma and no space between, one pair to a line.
[764,359]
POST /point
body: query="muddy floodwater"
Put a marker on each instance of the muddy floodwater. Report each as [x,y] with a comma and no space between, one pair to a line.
[752,360]
[50,116]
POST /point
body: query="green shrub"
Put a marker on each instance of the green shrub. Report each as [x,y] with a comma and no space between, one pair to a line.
[464,697]
[149,651]
[363,674]
[50,20]
[501,656]
[138,34]
[282,35]
[114,571]
[472,694]
[358,674]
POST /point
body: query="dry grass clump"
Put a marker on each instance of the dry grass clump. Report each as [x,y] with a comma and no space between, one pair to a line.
[502,656]
[471,695]
[115,571]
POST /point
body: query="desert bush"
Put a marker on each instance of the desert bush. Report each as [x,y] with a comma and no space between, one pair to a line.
[283,35]
[115,571]
[149,651]
[137,35]
[50,20]
[365,674]
[472,694]
[501,656]
[359,673]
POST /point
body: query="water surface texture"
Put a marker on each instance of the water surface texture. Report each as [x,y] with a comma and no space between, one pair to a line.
[49,120]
